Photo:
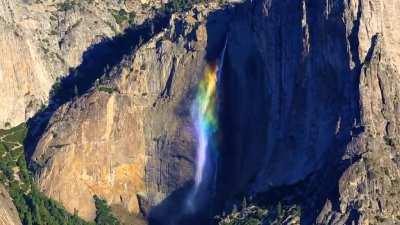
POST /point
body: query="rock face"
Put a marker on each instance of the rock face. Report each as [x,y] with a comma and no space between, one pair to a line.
[41,40]
[8,212]
[324,96]
[130,138]
[310,93]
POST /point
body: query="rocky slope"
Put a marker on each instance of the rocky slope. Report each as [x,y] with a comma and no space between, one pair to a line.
[43,39]
[8,212]
[310,98]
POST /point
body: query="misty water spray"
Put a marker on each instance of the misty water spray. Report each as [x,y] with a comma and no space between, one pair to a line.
[205,119]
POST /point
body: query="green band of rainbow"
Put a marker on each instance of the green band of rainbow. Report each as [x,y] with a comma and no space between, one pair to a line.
[205,117]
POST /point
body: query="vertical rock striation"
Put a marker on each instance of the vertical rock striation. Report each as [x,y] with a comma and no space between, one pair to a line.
[323,100]
[8,212]
[130,139]
[310,95]
[41,40]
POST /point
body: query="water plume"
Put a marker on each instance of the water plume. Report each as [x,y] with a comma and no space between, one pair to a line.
[205,118]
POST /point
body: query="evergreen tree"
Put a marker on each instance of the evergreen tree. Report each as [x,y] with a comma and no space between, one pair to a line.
[104,215]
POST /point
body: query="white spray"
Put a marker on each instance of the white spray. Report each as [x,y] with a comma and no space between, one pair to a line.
[205,116]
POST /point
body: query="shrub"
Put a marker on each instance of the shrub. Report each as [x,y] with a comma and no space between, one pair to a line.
[104,215]
[65,6]
[55,88]
[108,90]
[389,141]
[254,214]
[248,215]
[180,5]
[121,16]
[33,207]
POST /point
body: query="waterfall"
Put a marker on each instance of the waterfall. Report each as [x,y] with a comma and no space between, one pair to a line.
[221,60]
[205,117]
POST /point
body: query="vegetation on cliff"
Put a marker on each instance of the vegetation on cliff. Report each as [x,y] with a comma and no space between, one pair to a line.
[33,207]
[254,214]
[181,5]
[104,215]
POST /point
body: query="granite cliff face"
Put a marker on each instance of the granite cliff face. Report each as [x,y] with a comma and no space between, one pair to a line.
[325,87]
[309,100]
[8,212]
[44,39]
[134,127]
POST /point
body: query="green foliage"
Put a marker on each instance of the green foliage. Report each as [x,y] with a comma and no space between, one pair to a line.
[121,16]
[16,134]
[180,5]
[65,6]
[253,221]
[254,214]
[248,215]
[55,88]
[109,90]
[104,215]
[33,207]
[11,152]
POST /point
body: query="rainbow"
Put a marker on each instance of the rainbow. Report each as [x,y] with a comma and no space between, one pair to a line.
[205,119]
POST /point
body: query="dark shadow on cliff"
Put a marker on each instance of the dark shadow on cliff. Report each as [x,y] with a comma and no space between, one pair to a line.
[310,194]
[175,210]
[246,103]
[97,62]
[323,185]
